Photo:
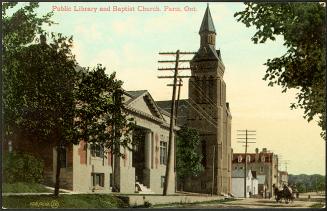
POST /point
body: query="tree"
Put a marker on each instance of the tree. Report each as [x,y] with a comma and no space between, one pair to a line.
[188,159]
[302,67]
[19,30]
[39,82]
[100,114]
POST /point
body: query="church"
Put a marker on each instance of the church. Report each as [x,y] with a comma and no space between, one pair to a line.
[207,111]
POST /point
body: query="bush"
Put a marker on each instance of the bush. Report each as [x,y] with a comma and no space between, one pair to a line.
[22,167]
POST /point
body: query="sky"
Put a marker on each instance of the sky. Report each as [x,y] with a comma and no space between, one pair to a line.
[128,41]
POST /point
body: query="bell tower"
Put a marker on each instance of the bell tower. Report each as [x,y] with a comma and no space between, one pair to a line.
[209,113]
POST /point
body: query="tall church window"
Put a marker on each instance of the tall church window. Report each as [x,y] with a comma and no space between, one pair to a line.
[204,153]
[163,153]
[204,90]
[221,93]
[211,88]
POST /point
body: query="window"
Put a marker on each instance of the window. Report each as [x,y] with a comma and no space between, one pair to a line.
[162,181]
[248,158]
[239,159]
[110,182]
[163,153]
[261,169]
[96,150]
[63,158]
[241,167]
[235,167]
[263,159]
[97,179]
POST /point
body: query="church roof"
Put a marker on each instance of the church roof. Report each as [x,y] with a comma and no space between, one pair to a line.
[182,109]
[207,53]
[207,23]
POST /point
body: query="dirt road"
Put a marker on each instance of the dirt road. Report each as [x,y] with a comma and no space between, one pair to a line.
[250,203]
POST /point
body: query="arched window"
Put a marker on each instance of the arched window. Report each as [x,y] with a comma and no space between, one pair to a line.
[239,159]
[263,158]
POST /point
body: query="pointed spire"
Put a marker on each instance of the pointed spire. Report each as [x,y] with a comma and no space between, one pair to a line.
[207,23]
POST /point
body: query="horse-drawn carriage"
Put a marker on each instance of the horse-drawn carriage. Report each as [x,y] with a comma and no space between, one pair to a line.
[285,193]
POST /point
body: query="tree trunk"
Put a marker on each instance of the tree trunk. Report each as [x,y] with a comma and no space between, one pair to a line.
[57,184]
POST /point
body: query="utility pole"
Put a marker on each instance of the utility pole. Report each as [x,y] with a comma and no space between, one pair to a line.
[213,169]
[173,112]
[286,162]
[244,136]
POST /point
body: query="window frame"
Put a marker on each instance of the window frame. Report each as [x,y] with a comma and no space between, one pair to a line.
[162,181]
[97,151]
[163,152]
[101,179]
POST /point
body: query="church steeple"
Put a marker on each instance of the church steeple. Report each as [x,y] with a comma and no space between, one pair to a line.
[207,29]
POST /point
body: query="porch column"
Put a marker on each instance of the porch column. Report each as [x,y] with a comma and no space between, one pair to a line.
[147,150]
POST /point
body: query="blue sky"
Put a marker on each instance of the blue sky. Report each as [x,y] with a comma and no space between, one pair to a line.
[129,43]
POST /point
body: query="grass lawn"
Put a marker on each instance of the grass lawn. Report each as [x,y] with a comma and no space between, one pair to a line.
[22,187]
[317,205]
[64,201]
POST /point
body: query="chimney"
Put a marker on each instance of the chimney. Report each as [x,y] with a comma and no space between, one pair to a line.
[43,39]
[256,154]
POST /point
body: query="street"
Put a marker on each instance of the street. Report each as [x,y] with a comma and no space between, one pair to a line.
[250,203]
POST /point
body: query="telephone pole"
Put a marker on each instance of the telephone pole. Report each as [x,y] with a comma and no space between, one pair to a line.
[285,162]
[173,112]
[246,135]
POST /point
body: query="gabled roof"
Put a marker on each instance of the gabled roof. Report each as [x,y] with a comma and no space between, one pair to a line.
[206,53]
[135,95]
[182,109]
[207,23]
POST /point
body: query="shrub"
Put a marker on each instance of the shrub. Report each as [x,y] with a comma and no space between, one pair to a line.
[22,167]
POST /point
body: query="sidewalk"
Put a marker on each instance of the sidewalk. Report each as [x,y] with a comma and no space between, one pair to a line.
[61,191]
[137,200]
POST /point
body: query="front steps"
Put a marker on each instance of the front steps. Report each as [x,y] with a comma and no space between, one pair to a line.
[141,189]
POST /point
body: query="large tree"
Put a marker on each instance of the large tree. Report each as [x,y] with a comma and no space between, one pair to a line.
[188,159]
[39,80]
[20,29]
[101,117]
[302,67]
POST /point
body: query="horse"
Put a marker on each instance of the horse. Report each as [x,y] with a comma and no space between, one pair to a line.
[285,193]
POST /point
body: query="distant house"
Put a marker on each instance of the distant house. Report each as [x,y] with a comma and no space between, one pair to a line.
[265,166]
[283,178]
[238,183]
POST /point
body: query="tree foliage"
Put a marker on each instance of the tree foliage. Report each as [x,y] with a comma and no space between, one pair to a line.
[307,183]
[188,159]
[20,29]
[100,115]
[22,167]
[303,27]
